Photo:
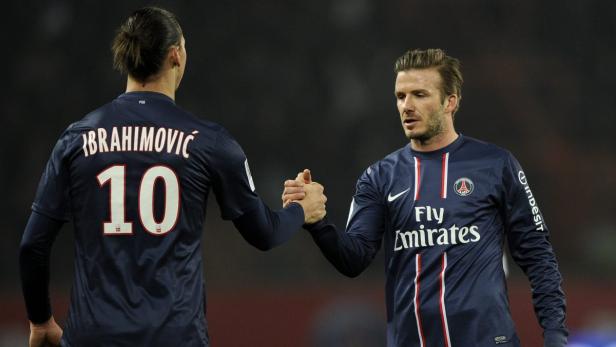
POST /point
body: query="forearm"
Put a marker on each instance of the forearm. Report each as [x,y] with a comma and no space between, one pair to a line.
[533,252]
[265,229]
[555,337]
[349,254]
[536,258]
[34,253]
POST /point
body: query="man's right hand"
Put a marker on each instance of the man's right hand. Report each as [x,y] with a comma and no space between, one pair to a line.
[308,194]
[45,334]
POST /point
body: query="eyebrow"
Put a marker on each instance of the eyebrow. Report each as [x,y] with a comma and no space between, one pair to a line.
[414,90]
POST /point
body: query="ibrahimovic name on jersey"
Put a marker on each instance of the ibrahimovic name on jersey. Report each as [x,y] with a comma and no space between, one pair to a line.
[136,188]
[137,139]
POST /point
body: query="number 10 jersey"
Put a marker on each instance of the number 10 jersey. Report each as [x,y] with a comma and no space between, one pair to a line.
[134,176]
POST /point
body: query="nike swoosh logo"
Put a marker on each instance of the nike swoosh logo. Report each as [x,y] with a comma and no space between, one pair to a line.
[391,198]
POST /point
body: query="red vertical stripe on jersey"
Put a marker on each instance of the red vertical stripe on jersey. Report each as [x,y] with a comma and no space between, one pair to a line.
[442,302]
[422,339]
[417,177]
[445,171]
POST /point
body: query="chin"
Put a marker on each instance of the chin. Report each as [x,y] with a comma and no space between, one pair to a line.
[413,135]
[420,137]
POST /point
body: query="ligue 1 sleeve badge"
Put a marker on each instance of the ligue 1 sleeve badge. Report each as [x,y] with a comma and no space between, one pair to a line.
[463,186]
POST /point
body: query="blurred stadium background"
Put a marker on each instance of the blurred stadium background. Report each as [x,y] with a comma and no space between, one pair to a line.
[310,84]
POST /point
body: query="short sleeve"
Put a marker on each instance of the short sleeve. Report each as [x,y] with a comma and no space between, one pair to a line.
[233,184]
[52,196]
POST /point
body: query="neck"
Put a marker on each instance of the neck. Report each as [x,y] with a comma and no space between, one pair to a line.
[163,84]
[434,143]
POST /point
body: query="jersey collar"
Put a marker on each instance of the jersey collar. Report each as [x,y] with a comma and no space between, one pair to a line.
[437,153]
[135,96]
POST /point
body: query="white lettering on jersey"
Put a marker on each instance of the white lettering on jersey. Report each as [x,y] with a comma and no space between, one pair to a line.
[537,218]
[126,142]
[444,236]
[172,135]
[92,142]
[186,141]
[159,141]
[102,140]
[431,214]
[115,140]
[438,236]
[134,138]
[147,139]
[85,144]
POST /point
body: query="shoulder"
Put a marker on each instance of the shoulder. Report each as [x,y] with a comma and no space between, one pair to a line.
[212,138]
[92,119]
[387,163]
[501,162]
[486,154]
[216,138]
[199,123]
[210,129]
[478,148]
[73,133]
[381,171]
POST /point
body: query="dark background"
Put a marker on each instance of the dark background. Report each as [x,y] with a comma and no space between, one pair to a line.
[310,84]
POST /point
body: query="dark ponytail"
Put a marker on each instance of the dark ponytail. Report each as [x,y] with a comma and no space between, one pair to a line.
[142,42]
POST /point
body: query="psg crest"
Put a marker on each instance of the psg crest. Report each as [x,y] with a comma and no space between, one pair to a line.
[463,186]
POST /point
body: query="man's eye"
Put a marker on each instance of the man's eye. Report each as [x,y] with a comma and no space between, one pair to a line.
[400,96]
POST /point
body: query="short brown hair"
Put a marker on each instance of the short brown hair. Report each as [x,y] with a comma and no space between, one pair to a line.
[448,67]
[142,42]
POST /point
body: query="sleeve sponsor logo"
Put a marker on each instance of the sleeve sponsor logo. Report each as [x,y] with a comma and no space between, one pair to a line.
[534,207]
[522,177]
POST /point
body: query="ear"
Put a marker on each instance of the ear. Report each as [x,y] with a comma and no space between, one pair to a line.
[174,56]
[451,103]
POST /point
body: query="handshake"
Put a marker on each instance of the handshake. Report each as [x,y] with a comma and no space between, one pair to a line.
[306,193]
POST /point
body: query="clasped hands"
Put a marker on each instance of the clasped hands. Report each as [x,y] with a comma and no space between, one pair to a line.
[306,193]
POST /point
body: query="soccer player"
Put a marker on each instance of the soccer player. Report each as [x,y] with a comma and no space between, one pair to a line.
[444,205]
[134,177]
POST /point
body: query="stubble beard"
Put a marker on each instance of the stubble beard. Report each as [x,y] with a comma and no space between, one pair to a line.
[435,126]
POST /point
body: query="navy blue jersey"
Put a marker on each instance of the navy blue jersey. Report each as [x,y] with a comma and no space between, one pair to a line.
[444,217]
[134,177]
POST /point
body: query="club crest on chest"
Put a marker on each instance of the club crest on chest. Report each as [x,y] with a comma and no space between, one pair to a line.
[464,186]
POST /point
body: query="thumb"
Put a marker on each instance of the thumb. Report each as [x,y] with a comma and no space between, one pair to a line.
[307,176]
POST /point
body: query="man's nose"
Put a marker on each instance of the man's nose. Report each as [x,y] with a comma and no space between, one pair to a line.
[408,104]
